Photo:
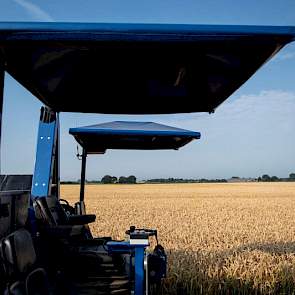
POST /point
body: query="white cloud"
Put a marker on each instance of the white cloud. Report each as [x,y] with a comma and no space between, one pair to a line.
[248,136]
[34,10]
[285,56]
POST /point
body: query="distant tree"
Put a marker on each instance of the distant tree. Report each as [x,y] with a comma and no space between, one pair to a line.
[274,178]
[235,177]
[204,180]
[68,182]
[131,179]
[259,179]
[292,176]
[107,179]
[265,177]
[122,179]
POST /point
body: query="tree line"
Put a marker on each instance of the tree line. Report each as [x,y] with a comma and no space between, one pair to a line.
[267,178]
[183,180]
[108,179]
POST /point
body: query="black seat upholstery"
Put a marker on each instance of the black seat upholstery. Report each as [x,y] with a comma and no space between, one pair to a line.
[52,213]
[13,215]
[19,258]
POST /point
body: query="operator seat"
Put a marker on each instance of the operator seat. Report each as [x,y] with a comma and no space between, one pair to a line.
[72,235]
[56,214]
[85,260]
[51,215]
[23,277]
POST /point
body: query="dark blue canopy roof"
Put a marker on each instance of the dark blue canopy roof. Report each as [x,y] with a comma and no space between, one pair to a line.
[136,68]
[131,135]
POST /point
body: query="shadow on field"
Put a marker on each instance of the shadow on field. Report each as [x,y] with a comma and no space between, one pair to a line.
[278,248]
[197,272]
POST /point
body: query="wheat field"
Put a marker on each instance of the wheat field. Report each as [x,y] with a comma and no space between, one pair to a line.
[220,238]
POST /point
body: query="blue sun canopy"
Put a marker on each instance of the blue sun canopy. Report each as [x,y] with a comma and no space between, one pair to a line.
[131,135]
[135,68]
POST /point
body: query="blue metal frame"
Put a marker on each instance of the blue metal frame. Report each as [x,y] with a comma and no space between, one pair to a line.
[138,251]
[139,269]
[25,31]
[2,73]
[47,163]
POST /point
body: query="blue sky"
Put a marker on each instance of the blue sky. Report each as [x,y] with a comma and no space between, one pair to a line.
[250,134]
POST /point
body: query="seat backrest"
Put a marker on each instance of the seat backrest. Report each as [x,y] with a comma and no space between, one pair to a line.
[13,215]
[18,253]
[19,257]
[49,211]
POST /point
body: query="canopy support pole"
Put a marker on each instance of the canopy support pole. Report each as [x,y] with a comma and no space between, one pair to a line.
[83,173]
[2,72]
[55,184]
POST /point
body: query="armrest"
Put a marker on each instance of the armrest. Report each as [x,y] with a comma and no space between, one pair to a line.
[81,219]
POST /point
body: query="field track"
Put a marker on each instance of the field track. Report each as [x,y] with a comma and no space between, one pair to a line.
[221,238]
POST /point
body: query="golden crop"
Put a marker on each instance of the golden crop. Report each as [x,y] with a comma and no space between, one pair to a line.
[220,238]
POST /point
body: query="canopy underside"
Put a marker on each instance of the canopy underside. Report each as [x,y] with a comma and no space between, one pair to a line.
[136,69]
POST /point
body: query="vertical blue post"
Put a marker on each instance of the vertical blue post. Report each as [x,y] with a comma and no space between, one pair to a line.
[1,98]
[47,144]
[139,269]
